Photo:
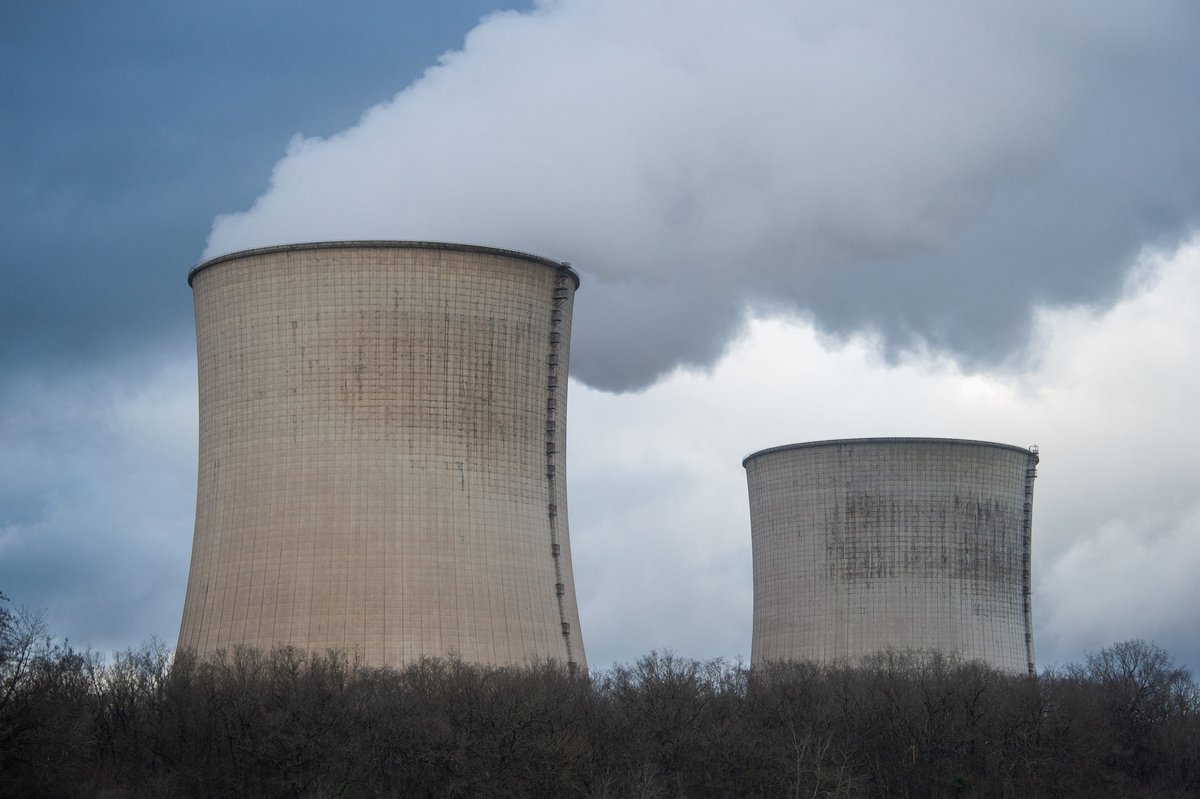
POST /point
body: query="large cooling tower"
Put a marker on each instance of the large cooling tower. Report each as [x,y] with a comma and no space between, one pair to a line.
[871,544]
[382,430]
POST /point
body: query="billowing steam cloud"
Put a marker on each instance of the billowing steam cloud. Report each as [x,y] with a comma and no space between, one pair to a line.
[928,170]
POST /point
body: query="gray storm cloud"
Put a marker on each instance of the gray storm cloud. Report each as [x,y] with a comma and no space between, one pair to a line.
[929,171]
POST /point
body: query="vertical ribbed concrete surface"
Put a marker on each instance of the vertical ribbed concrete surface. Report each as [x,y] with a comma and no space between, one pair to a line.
[382,430]
[863,545]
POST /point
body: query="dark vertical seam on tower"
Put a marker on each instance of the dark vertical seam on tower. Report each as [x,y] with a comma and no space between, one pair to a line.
[1027,558]
[559,298]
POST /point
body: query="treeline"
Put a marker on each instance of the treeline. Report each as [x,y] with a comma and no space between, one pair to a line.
[149,723]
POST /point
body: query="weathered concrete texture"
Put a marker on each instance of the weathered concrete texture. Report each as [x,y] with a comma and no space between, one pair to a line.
[869,544]
[382,459]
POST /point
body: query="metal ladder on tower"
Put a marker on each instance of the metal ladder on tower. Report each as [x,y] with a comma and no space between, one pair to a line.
[559,298]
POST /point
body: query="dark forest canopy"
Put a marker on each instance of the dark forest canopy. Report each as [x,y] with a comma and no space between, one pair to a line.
[155,723]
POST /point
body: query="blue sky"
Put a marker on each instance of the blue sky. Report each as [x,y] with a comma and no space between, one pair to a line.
[833,220]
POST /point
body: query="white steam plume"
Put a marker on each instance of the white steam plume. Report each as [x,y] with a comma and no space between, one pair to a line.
[872,164]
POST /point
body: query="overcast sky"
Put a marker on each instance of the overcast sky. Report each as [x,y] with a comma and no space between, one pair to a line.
[793,222]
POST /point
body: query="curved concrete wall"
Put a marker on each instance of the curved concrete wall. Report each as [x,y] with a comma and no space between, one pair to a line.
[382,458]
[868,544]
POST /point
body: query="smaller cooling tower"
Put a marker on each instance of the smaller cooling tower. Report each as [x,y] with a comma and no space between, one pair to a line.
[864,545]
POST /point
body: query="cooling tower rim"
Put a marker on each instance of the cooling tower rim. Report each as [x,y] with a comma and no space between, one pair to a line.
[381,244]
[833,442]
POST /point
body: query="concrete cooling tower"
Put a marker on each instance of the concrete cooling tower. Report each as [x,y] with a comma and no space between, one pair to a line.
[871,544]
[382,430]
